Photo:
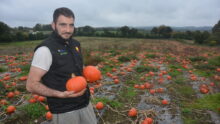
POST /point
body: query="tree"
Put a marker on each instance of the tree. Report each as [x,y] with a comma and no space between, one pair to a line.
[88,31]
[133,32]
[4,28]
[107,33]
[5,32]
[201,37]
[165,31]
[124,31]
[21,36]
[215,33]
[37,27]
[216,28]
[189,35]
[154,30]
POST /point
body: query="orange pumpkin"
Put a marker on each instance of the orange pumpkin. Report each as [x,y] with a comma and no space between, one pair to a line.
[204,90]
[132,112]
[147,121]
[7,78]
[32,100]
[147,85]
[116,81]
[46,107]
[76,84]
[91,73]
[41,98]
[164,102]
[169,77]
[10,94]
[99,105]
[23,78]
[49,115]
[10,109]
[3,102]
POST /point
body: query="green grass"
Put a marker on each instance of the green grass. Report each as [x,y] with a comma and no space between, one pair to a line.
[214,61]
[128,93]
[186,91]
[171,59]
[174,73]
[190,121]
[131,82]
[21,43]
[182,91]
[106,68]
[180,80]
[208,102]
[34,110]
[104,100]
[175,66]
[197,58]
[205,66]
[142,68]
[124,59]
[3,69]
[204,73]
[151,56]
[114,52]
[25,68]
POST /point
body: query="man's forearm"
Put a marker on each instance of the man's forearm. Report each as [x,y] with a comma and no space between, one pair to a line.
[41,89]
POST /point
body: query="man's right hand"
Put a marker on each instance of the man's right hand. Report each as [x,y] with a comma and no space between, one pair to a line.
[69,94]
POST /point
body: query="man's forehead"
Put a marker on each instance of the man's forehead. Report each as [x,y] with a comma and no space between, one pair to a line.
[65,18]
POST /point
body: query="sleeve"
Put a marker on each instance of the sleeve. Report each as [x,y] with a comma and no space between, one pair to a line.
[42,58]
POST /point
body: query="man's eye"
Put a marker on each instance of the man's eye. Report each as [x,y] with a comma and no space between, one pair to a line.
[62,24]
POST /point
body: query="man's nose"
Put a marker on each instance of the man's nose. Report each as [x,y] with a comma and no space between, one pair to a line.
[69,28]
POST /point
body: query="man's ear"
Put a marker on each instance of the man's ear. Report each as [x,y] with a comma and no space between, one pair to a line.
[53,25]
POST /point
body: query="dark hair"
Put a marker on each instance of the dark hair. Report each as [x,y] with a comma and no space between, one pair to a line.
[62,11]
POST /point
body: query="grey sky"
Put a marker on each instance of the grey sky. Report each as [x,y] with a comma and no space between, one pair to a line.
[98,13]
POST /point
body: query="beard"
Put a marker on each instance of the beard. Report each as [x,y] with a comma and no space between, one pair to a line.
[68,33]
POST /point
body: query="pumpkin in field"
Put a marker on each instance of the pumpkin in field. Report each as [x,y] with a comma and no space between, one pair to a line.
[204,88]
[164,102]
[91,73]
[32,100]
[3,102]
[23,78]
[132,112]
[76,84]
[49,115]
[10,94]
[41,99]
[147,121]
[10,109]
[99,105]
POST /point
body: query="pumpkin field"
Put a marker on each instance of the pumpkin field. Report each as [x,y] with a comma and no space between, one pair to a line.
[144,81]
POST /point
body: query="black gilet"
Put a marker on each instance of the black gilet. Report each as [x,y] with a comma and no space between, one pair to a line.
[66,59]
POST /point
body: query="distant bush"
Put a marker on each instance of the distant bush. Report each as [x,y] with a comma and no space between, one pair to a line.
[212,43]
[197,58]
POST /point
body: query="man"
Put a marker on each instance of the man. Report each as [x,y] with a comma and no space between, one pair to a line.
[54,61]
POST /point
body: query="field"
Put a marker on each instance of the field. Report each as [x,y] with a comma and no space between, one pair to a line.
[169,81]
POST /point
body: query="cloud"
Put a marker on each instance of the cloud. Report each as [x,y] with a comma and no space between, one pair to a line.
[100,13]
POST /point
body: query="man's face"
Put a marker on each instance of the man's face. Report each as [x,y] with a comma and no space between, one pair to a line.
[64,26]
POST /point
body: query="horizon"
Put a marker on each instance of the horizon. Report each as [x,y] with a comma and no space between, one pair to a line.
[116,26]
[174,13]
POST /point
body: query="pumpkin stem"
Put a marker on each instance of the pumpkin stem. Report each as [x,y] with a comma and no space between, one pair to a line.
[97,66]
[73,75]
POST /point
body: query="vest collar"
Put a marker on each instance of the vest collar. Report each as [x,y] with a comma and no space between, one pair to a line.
[59,39]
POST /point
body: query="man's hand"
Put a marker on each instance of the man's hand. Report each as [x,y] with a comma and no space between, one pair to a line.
[69,94]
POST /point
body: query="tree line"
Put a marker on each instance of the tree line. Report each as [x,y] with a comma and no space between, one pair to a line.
[39,32]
